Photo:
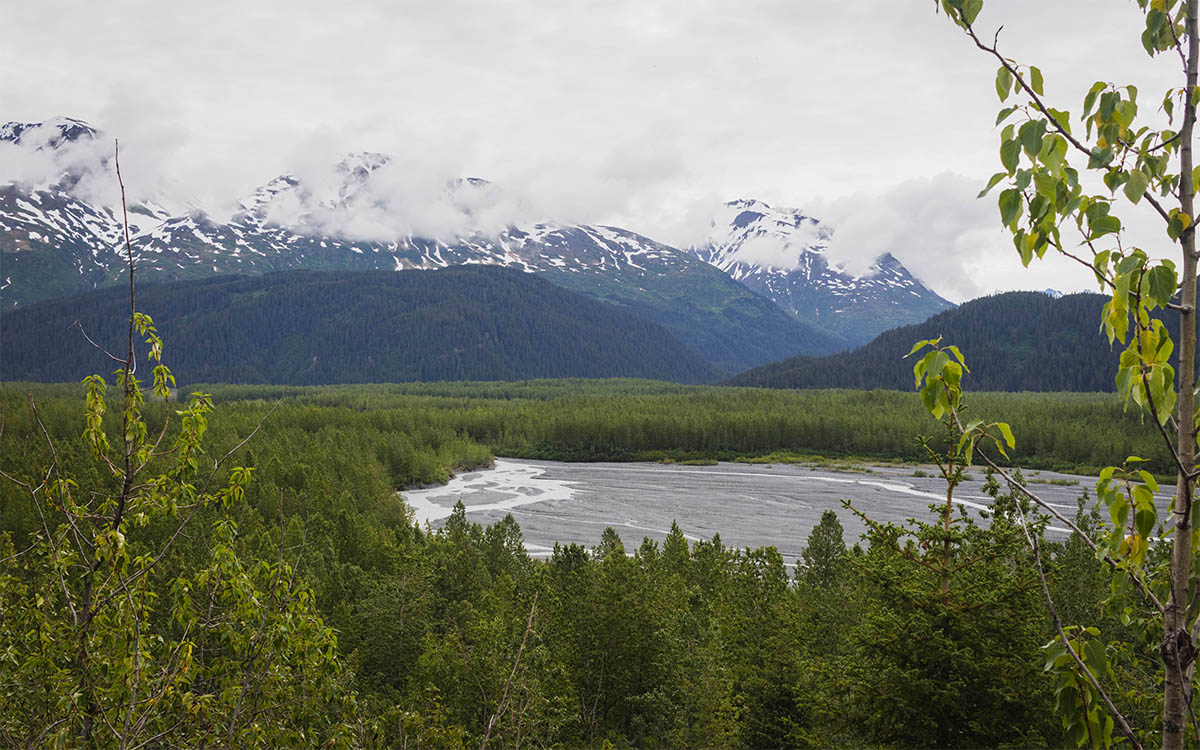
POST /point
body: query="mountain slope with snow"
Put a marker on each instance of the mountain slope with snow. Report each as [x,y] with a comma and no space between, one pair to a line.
[352,219]
[781,254]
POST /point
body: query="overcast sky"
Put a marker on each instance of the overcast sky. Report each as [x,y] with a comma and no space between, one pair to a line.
[874,115]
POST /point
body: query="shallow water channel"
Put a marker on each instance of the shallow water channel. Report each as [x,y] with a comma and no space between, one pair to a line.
[750,505]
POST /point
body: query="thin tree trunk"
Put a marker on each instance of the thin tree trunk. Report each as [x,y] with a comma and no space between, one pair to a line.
[1177,649]
[948,511]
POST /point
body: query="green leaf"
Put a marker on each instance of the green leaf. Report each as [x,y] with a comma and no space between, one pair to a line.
[958,355]
[1010,154]
[1135,186]
[1004,82]
[921,368]
[919,346]
[1144,521]
[1179,222]
[1090,100]
[1161,283]
[1054,153]
[1143,499]
[952,374]
[1031,134]
[1010,206]
[939,363]
[1105,225]
[1148,479]
[1000,447]
[970,10]
[1024,243]
[1004,113]
[1100,158]
[992,183]
[1006,431]
[1035,80]
[1094,658]
[1045,183]
[929,398]
[1063,119]
[1108,104]
[1106,475]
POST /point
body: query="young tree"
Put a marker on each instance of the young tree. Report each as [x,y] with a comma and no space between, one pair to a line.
[824,556]
[108,638]
[1047,205]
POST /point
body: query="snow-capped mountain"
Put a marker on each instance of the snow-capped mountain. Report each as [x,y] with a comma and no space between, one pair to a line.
[54,241]
[781,254]
[364,214]
[46,135]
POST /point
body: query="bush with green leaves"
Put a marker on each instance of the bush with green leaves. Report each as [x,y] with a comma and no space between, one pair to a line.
[110,635]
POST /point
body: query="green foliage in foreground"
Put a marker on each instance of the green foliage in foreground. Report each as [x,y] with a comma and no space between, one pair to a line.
[382,634]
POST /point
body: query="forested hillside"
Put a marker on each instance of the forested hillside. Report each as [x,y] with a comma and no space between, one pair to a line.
[304,327]
[1017,341]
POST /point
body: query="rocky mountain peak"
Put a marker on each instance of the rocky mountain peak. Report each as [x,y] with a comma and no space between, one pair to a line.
[50,134]
[781,253]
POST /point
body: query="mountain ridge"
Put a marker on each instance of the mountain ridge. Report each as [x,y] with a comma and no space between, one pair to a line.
[780,253]
[1013,341]
[355,217]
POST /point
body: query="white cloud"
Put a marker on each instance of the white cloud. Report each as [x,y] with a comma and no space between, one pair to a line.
[951,239]
[629,112]
[768,251]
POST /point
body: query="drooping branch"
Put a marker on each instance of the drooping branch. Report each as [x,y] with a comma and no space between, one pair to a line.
[1024,490]
[1118,717]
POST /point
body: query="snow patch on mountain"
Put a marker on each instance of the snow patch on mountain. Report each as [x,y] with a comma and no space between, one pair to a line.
[750,233]
[50,134]
[783,254]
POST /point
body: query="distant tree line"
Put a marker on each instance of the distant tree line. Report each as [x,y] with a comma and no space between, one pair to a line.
[620,420]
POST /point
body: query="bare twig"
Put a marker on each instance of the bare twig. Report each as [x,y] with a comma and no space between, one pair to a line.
[495,717]
[1140,584]
[106,352]
[217,465]
[130,362]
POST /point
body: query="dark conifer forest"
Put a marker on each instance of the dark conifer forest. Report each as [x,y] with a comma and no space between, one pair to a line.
[1018,341]
[310,327]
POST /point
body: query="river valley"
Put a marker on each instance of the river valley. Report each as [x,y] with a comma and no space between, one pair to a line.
[747,504]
